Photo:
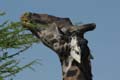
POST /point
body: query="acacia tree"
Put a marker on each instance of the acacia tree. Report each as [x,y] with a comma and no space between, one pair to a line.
[16,39]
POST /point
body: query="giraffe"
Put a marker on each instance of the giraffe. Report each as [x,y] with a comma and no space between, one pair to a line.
[66,40]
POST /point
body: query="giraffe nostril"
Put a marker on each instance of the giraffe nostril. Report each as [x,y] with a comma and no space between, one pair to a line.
[25,20]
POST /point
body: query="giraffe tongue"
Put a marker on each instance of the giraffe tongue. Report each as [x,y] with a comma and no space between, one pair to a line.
[76,56]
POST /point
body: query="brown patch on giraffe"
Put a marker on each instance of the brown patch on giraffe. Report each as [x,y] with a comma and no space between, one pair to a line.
[73,73]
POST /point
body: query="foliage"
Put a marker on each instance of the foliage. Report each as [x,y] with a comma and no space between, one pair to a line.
[17,39]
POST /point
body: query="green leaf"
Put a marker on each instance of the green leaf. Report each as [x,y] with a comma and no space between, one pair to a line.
[13,37]
[1,78]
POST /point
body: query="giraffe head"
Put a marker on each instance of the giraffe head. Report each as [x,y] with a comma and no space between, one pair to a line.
[57,33]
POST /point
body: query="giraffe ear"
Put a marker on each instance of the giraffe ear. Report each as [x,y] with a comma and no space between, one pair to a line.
[57,29]
[87,27]
[52,27]
[60,31]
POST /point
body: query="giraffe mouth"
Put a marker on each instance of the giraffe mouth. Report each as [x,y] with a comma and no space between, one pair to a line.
[28,21]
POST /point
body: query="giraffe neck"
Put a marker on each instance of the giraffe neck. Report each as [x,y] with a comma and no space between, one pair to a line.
[77,71]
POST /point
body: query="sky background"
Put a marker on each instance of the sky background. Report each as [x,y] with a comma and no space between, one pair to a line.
[103,41]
